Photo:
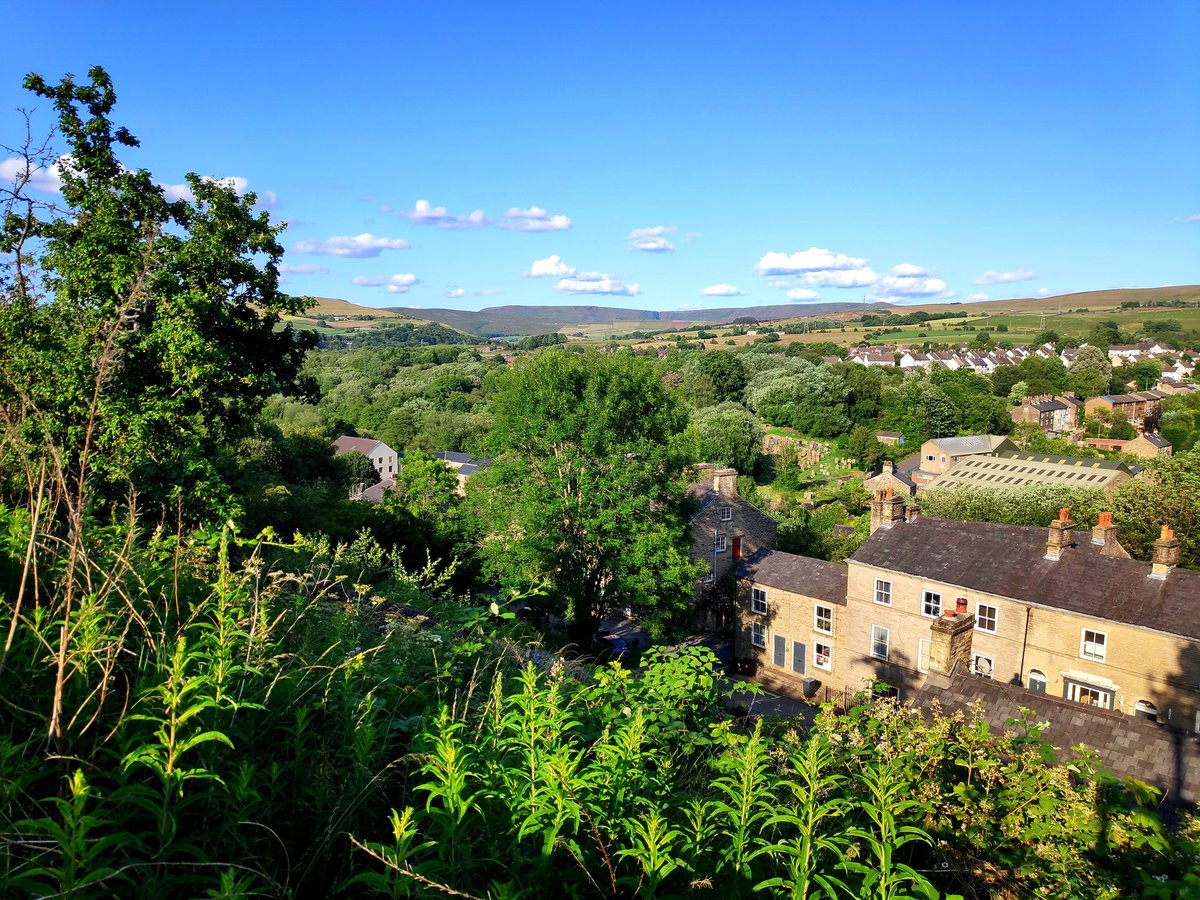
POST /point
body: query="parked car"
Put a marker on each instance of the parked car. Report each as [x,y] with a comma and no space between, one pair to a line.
[607,647]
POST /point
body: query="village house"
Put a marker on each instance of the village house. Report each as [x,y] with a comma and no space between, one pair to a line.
[890,438]
[382,457]
[889,478]
[725,527]
[1053,611]
[1134,406]
[1055,416]
[939,454]
[1146,445]
[464,465]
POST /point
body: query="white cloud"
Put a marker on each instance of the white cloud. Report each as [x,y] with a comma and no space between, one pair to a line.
[1185,220]
[455,293]
[262,199]
[976,297]
[908,270]
[47,179]
[360,246]
[813,259]
[596,283]
[720,290]
[841,278]
[533,219]
[1044,292]
[397,284]
[1005,277]
[923,285]
[458,293]
[423,213]
[489,292]
[551,266]
[803,294]
[651,240]
[303,269]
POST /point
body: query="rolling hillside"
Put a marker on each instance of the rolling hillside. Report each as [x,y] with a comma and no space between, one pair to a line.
[524,320]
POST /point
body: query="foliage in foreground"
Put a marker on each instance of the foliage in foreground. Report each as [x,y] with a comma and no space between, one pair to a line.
[233,729]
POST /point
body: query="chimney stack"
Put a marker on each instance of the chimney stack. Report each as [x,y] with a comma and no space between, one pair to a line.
[950,644]
[1104,535]
[891,509]
[912,510]
[1060,537]
[702,472]
[1166,553]
[888,467]
[725,482]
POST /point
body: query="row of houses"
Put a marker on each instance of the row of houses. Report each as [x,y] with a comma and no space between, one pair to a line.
[1174,366]
[1058,620]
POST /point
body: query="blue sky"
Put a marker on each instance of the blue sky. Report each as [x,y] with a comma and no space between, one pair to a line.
[663,156]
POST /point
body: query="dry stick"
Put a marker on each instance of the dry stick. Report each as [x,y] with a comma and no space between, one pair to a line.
[409,873]
[33,529]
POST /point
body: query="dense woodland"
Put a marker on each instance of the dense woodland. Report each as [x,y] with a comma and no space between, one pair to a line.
[221,677]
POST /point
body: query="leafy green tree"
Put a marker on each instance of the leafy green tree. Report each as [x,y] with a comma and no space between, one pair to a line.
[1090,373]
[728,435]
[586,487]
[919,410]
[356,469]
[159,339]
[863,446]
[810,398]
[725,370]
[1018,393]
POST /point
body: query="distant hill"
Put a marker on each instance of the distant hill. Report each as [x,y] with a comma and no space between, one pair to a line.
[1189,293]
[517,320]
[324,307]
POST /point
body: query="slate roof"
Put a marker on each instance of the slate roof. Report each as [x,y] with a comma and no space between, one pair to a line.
[799,574]
[1048,405]
[1156,439]
[971,443]
[376,491]
[453,456]
[346,444]
[1009,561]
[1128,746]
[705,495]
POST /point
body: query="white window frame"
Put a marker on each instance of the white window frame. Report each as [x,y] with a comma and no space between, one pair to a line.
[708,578]
[925,604]
[980,618]
[817,617]
[1036,675]
[827,653]
[1095,650]
[990,673]
[1076,689]
[883,588]
[722,544]
[758,601]
[726,513]
[880,634]
[758,635]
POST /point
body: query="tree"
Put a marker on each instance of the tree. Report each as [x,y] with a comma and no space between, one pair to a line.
[158,341]
[586,488]
[725,371]
[1018,393]
[1090,372]
[863,447]
[728,435]
[356,469]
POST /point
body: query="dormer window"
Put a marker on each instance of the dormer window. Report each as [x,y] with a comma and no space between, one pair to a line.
[726,513]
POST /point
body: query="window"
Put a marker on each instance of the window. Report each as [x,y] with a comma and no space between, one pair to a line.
[758,601]
[883,592]
[798,657]
[985,617]
[983,666]
[1146,710]
[932,604]
[1088,695]
[758,635]
[726,513]
[822,656]
[1036,681]
[780,651]
[1092,645]
[708,578]
[823,619]
[879,642]
[722,543]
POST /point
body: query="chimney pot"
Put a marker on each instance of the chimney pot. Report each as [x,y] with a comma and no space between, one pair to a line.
[960,606]
[1064,514]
